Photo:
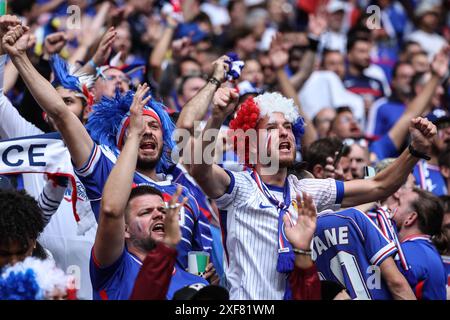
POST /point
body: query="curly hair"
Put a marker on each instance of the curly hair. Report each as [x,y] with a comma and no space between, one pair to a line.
[20,218]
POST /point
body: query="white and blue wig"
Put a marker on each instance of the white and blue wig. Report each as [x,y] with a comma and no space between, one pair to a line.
[110,118]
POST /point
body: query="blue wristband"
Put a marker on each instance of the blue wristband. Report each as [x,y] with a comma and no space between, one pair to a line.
[93,64]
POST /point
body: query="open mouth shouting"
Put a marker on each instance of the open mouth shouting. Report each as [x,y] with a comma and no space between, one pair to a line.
[148,146]
[158,229]
[285,147]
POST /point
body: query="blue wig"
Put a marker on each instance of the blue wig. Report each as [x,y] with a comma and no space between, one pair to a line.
[65,77]
[298,129]
[20,286]
[107,117]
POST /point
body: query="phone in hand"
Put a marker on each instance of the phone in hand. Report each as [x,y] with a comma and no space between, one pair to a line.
[369,172]
[338,157]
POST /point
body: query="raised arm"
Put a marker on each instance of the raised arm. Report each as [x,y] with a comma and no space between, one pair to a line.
[197,107]
[75,135]
[388,181]
[110,238]
[159,52]
[212,178]
[101,54]
[439,69]
[317,24]
[90,34]
[279,58]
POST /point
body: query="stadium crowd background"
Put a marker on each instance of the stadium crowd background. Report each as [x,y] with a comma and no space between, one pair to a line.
[358,70]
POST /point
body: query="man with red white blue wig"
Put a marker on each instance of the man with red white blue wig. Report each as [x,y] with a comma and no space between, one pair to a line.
[255,204]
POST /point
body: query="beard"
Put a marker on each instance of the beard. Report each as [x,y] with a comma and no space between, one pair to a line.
[287,163]
[146,244]
[148,163]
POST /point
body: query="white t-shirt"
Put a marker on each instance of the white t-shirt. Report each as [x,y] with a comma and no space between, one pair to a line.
[430,42]
[70,250]
[250,227]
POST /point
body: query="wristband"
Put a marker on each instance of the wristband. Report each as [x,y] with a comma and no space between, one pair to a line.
[93,64]
[418,154]
[215,82]
[313,43]
[303,252]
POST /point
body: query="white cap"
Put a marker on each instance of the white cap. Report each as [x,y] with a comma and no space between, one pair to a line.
[427,6]
[335,6]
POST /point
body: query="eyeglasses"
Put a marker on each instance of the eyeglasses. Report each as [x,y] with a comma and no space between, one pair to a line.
[361,142]
[113,78]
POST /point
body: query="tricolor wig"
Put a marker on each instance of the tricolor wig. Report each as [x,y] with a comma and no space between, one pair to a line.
[109,120]
[34,279]
[66,77]
[252,110]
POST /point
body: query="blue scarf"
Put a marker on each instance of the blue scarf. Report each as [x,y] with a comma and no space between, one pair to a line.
[286,257]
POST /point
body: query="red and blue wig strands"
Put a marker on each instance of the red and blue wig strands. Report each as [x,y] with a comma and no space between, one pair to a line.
[108,122]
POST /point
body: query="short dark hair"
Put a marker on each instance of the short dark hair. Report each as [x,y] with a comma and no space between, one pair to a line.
[356,38]
[343,109]
[20,218]
[144,189]
[320,150]
[141,190]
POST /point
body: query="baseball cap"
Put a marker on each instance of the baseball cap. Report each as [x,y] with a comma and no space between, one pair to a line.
[335,6]
[5,183]
[439,117]
[200,291]
[427,6]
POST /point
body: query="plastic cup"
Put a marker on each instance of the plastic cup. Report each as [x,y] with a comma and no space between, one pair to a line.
[3,7]
[197,262]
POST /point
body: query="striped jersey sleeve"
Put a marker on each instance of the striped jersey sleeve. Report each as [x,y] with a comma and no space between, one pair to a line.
[326,193]
[241,188]
[50,199]
[377,246]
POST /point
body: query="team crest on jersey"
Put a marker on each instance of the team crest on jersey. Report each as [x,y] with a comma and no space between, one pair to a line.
[81,193]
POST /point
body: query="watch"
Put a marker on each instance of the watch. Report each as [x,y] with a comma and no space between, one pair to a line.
[418,154]
[215,82]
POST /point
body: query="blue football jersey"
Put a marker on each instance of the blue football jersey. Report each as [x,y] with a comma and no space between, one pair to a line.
[116,282]
[429,177]
[446,260]
[195,230]
[427,267]
[348,248]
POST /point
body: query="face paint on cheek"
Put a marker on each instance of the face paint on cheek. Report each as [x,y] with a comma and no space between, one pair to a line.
[140,226]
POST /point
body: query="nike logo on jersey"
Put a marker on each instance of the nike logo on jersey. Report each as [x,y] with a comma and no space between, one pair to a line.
[263,206]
